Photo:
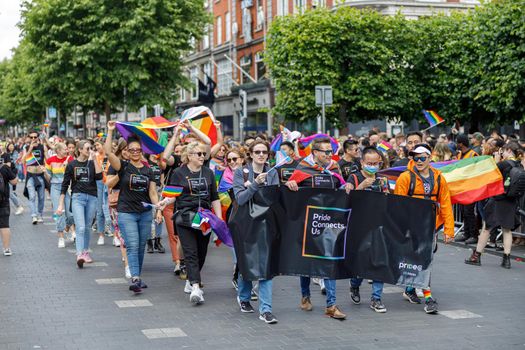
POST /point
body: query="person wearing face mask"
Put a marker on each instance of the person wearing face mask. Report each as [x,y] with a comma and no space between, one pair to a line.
[422,181]
[318,171]
[246,182]
[367,180]
[81,174]
[500,210]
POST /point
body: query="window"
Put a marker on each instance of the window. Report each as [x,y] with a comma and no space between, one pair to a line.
[224,79]
[206,38]
[182,95]
[299,6]
[259,15]
[318,3]
[219,31]
[227,20]
[207,71]
[194,78]
[245,63]
[282,7]
[260,66]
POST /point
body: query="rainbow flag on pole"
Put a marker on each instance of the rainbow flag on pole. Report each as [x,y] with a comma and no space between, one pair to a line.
[432,117]
[31,160]
[171,191]
[145,130]
[384,146]
[202,118]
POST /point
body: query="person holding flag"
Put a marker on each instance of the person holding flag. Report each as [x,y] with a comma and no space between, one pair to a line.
[318,170]
[35,183]
[420,180]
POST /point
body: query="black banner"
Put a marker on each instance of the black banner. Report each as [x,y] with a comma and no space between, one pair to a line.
[327,233]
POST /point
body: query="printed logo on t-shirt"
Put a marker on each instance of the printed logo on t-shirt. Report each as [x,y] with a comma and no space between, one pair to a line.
[198,186]
[81,174]
[322,181]
[37,154]
[156,173]
[426,186]
[285,173]
[138,183]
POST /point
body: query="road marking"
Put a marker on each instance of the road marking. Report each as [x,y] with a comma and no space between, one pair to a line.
[459,314]
[111,281]
[133,303]
[98,264]
[157,333]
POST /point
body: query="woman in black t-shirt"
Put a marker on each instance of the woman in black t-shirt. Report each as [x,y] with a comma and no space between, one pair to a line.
[199,190]
[138,192]
[81,174]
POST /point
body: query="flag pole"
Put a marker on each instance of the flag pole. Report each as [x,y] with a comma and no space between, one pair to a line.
[430,127]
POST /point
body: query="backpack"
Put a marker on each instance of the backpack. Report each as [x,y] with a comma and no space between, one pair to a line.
[515,182]
[412,187]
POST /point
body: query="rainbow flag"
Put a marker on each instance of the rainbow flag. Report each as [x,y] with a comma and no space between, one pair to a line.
[171,191]
[384,146]
[278,139]
[469,180]
[31,160]
[157,123]
[432,117]
[226,202]
[226,180]
[307,168]
[306,142]
[145,130]
[202,118]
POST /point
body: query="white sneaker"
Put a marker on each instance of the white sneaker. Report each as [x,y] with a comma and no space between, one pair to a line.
[8,252]
[116,241]
[196,296]
[188,288]
[127,272]
[100,240]
[19,210]
[61,243]
[315,281]
[40,219]
[73,236]
[419,292]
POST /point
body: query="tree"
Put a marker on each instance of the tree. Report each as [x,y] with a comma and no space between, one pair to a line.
[87,51]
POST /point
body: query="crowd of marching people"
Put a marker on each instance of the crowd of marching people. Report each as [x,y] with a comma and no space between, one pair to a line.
[110,188]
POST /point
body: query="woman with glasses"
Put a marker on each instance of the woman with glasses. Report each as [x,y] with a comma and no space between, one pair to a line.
[246,182]
[198,190]
[138,194]
[81,174]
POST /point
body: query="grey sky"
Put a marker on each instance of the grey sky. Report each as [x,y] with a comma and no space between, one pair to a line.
[9,32]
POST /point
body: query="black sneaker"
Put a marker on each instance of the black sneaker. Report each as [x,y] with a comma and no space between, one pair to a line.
[411,297]
[235,284]
[245,306]
[431,306]
[268,318]
[355,296]
[142,284]
[149,248]
[254,296]
[183,275]
[377,305]
[135,286]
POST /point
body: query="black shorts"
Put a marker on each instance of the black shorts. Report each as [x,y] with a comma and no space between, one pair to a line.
[4,217]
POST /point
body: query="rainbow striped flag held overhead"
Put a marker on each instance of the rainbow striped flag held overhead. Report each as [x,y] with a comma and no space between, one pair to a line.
[384,146]
[432,117]
[145,130]
[201,118]
[31,160]
[307,144]
[171,191]
[278,139]
[469,180]
[226,180]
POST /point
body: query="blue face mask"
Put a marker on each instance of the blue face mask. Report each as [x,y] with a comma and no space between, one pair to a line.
[371,169]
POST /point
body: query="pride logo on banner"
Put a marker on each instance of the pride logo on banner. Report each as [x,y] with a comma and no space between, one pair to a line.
[325,231]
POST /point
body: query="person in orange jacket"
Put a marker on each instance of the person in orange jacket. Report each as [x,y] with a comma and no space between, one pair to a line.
[422,181]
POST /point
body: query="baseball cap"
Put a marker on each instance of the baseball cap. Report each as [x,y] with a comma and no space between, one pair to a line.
[421,148]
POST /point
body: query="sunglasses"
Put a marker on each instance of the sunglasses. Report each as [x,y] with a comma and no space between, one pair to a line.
[260,152]
[134,150]
[327,152]
[33,137]
[200,154]
[232,160]
[420,159]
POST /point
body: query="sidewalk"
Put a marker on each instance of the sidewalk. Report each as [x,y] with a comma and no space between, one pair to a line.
[47,303]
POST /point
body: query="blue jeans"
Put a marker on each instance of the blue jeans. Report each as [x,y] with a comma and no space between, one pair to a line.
[36,194]
[55,199]
[328,284]
[135,228]
[377,287]
[103,217]
[265,293]
[84,207]
[13,196]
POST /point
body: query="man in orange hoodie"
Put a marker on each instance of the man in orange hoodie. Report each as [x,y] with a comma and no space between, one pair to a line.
[422,181]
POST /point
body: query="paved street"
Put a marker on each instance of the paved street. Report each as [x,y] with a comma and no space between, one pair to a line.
[47,303]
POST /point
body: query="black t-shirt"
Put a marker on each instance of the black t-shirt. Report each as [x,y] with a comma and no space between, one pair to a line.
[171,168]
[8,175]
[134,188]
[156,172]
[112,171]
[348,168]
[8,158]
[286,170]
[196,187]
[358,177]
[38,153]
[82,177]
[322,180]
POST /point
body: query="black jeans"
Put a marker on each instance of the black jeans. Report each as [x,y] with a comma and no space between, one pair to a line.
[195,247]
[469,219]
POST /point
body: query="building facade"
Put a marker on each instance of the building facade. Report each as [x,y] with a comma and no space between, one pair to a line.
[232,51]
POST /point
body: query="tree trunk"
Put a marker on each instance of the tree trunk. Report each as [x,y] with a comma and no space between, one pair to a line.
[107,111]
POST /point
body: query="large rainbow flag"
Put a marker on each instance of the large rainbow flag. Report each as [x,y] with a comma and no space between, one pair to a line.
[202,118]
[145,130]
[306,142]
[469,180]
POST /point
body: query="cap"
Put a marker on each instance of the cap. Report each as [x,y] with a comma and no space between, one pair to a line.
[421,148]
